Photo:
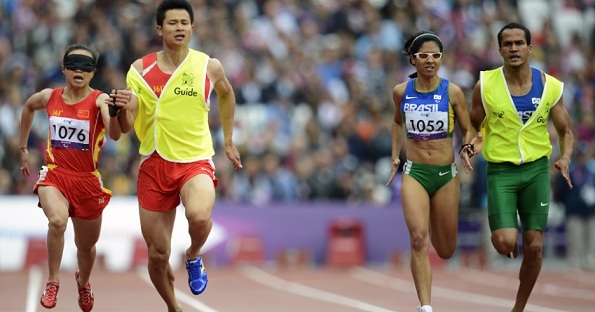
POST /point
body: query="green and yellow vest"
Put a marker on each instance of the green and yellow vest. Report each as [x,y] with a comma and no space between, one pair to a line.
[506,138]
[175,124]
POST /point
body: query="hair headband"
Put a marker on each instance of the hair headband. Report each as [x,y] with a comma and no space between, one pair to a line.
[423,35]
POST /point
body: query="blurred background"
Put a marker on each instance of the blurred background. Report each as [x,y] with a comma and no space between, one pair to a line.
[313,82]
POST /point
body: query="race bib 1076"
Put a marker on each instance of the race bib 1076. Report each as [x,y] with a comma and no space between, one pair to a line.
[69,133]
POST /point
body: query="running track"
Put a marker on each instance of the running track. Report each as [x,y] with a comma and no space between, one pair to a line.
[311,289]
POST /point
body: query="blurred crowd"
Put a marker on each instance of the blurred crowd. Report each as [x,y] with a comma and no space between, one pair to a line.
[313,81]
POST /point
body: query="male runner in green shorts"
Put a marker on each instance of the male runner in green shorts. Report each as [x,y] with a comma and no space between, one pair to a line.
[511,105]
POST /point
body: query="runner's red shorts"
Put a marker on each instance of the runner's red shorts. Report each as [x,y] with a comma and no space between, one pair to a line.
[160,181]
[83,190]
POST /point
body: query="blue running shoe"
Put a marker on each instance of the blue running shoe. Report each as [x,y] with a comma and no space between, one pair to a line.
[197,275]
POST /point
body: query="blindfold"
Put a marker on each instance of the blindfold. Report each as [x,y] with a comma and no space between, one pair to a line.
[79,62]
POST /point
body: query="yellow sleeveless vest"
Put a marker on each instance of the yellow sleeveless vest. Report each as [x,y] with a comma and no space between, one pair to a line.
[175,124]
[506,138]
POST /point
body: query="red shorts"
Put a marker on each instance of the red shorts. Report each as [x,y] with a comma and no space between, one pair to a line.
[160,181]
[83,190]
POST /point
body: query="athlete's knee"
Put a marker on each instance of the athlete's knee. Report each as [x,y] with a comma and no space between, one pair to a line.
[198,213]
[85,248]
[502,244]
[445,251]
[533,249]
[57,225]
[158,255]
[419,240]
[201,221]
[445,244]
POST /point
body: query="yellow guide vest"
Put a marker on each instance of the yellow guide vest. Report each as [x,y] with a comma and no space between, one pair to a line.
[506,138]
[175,124]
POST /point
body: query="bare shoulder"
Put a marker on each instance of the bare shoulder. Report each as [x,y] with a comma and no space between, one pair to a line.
[138,65]
[477,85]
[39,99]
[215,65]
[399,89]
[44,95]
[215,70]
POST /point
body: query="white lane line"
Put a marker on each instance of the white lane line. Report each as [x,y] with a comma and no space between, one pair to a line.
[549,288]
[584,277]
[380,279]
[567,292]
[487,279]
[180,295]
[272,281]
[33,288]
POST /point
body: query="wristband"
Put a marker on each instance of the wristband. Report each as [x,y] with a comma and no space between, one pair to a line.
[469,145]
[113,109]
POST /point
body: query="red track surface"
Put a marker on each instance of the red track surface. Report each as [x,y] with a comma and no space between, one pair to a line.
[312,289]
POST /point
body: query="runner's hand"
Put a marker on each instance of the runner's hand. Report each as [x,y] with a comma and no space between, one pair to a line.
[563,164]
[393,171]
[465,154]
[477,142]
[232,153]
[24,155]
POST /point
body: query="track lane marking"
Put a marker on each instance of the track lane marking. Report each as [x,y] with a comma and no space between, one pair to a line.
[272,281]
[180,295]
[33,286]
[380,279]
[546,288]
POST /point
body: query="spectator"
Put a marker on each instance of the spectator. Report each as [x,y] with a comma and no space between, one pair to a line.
[579,205]
[313,56]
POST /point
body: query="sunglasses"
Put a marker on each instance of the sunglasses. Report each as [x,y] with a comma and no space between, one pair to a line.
[426,55]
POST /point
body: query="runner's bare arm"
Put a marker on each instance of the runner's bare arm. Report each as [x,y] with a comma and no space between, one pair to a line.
[457,99]
[397,131]
[227,103]
[112,126]
[129,103]
[36,102]
[561,121]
